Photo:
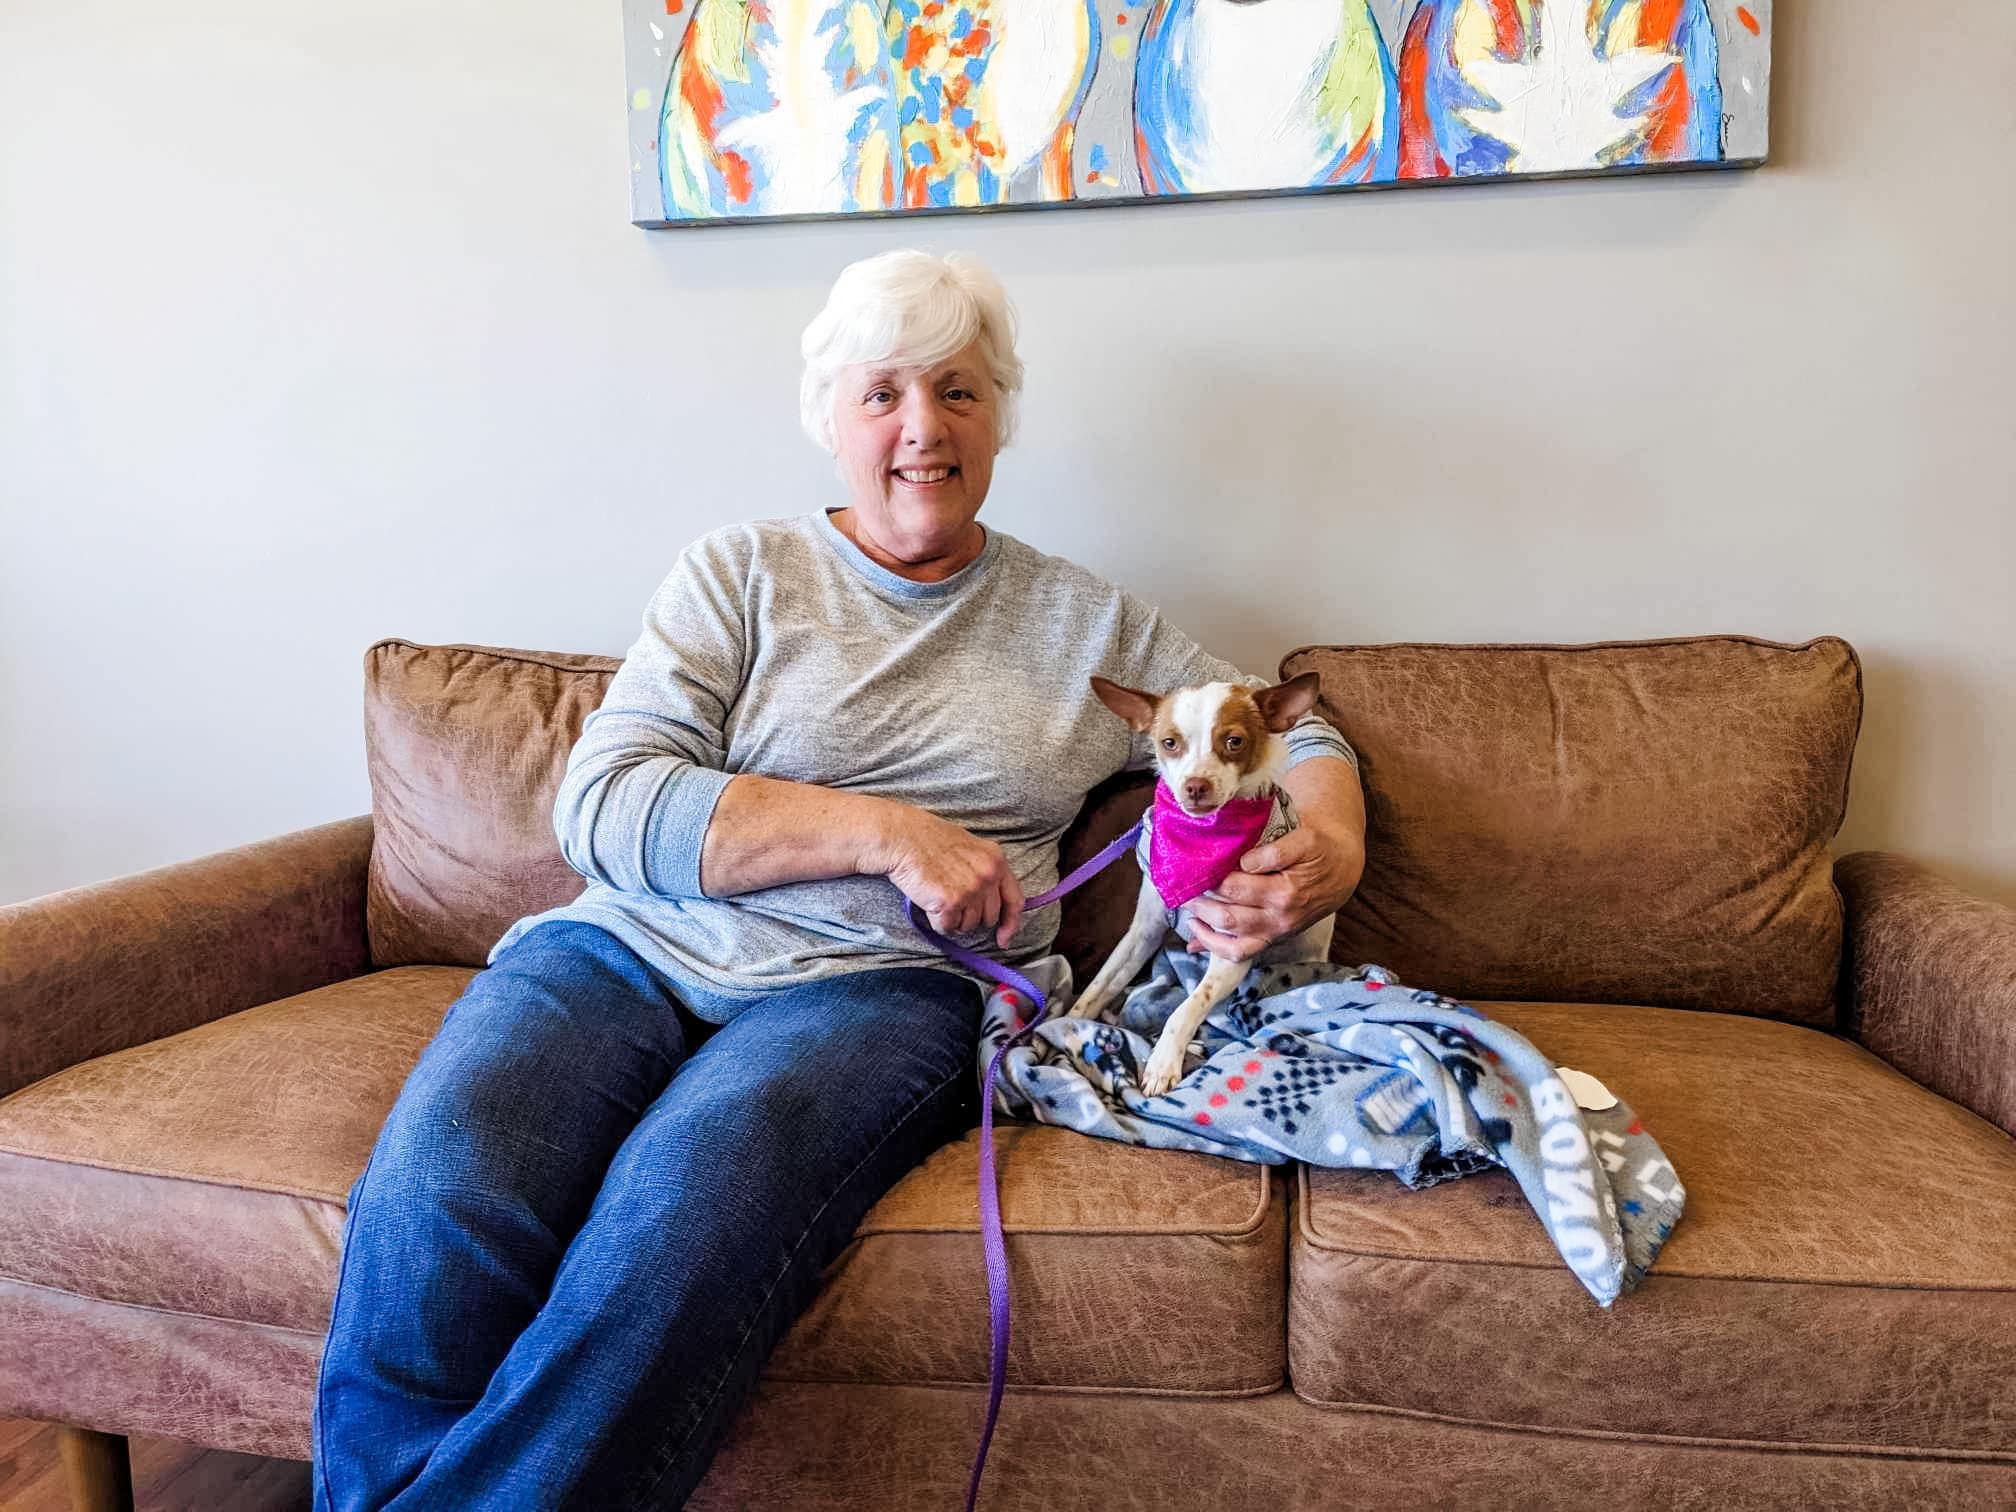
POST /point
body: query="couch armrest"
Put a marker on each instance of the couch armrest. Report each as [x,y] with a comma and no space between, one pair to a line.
[97,969]
[1930,979]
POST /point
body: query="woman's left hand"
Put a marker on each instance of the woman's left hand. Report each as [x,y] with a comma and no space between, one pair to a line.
[1283,887]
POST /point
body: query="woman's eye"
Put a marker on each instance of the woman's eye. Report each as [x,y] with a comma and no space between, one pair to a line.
[959,393]
[880,396]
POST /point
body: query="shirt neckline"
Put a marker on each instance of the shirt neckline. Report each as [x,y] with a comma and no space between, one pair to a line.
[896,583]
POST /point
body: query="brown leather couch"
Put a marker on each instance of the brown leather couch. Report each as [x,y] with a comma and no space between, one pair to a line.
[1619,849]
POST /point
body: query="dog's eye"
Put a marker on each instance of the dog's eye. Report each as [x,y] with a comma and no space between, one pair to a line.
[1168,742]
[1233,742]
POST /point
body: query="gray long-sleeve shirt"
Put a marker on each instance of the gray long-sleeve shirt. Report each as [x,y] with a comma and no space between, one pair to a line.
[778,648]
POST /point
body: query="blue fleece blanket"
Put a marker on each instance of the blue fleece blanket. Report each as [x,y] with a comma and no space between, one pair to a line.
[1335,1067]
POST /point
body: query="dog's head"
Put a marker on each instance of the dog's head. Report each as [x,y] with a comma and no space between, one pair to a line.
[1218,741]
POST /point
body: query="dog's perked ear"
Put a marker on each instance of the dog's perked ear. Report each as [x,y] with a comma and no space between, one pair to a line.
[1132,705]
[1284,703]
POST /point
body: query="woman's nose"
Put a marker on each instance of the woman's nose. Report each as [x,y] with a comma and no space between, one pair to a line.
[923,425]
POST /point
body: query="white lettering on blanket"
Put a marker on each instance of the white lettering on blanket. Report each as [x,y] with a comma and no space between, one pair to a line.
[1570,1183]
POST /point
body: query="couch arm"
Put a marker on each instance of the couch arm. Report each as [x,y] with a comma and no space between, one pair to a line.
[1930,979]
[96,969]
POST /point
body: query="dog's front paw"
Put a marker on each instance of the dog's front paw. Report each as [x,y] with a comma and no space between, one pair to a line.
[1163,1071]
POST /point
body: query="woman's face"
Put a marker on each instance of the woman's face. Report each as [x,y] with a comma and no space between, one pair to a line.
[916,449]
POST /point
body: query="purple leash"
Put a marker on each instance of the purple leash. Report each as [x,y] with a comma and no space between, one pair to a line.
[991,1241]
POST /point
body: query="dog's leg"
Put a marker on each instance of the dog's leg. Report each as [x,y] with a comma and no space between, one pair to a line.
[1149,929]
[1165,1066]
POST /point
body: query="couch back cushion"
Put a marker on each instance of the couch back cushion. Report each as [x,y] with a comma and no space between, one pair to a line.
[1640,822]
[466,746]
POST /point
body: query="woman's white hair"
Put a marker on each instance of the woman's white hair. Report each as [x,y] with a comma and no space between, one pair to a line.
[913,309]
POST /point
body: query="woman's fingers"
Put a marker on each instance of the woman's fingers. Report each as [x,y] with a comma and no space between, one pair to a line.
[1292,849]
[991,890]
[1257,890]
[965,907]
[1235,918]
[1231,947]
[1012,903]
[962,882]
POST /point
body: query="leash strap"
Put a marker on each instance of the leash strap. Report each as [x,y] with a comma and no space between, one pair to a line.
[992,1244]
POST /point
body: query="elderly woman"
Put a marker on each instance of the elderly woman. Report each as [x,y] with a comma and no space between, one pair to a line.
[616,1174]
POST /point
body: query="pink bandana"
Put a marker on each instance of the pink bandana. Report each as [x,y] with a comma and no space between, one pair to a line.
[1190,854]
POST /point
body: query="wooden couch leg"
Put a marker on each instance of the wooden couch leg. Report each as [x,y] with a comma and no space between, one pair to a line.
[100,1475]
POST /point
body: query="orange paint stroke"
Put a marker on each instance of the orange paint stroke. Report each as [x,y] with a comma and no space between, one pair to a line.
[1505,22]
[1419,157]
[1743,15]
[1357,156]
[1669,113]
[1659,23]
[735,170]
[701,97]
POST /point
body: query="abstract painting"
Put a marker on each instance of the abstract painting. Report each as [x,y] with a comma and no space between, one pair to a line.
[744,110]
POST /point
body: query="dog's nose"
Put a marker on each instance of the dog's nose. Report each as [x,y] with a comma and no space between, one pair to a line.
[1196,789]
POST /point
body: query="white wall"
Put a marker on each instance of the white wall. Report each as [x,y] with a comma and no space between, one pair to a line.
[321,324]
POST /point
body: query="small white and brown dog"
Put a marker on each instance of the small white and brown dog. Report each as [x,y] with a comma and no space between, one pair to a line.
[1219,756]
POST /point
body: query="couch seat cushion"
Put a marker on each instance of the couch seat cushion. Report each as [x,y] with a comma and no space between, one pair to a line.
[1844,1274]
[1131,1269]
[206,1173]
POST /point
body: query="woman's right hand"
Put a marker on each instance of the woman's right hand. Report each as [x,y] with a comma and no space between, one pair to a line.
[958,880]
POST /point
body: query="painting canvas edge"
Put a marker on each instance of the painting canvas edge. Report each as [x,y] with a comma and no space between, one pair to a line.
[652,49]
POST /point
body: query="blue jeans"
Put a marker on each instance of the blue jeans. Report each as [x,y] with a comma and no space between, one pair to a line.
[584,1227]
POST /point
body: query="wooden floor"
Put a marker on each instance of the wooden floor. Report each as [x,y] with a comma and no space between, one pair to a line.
[167,1476]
